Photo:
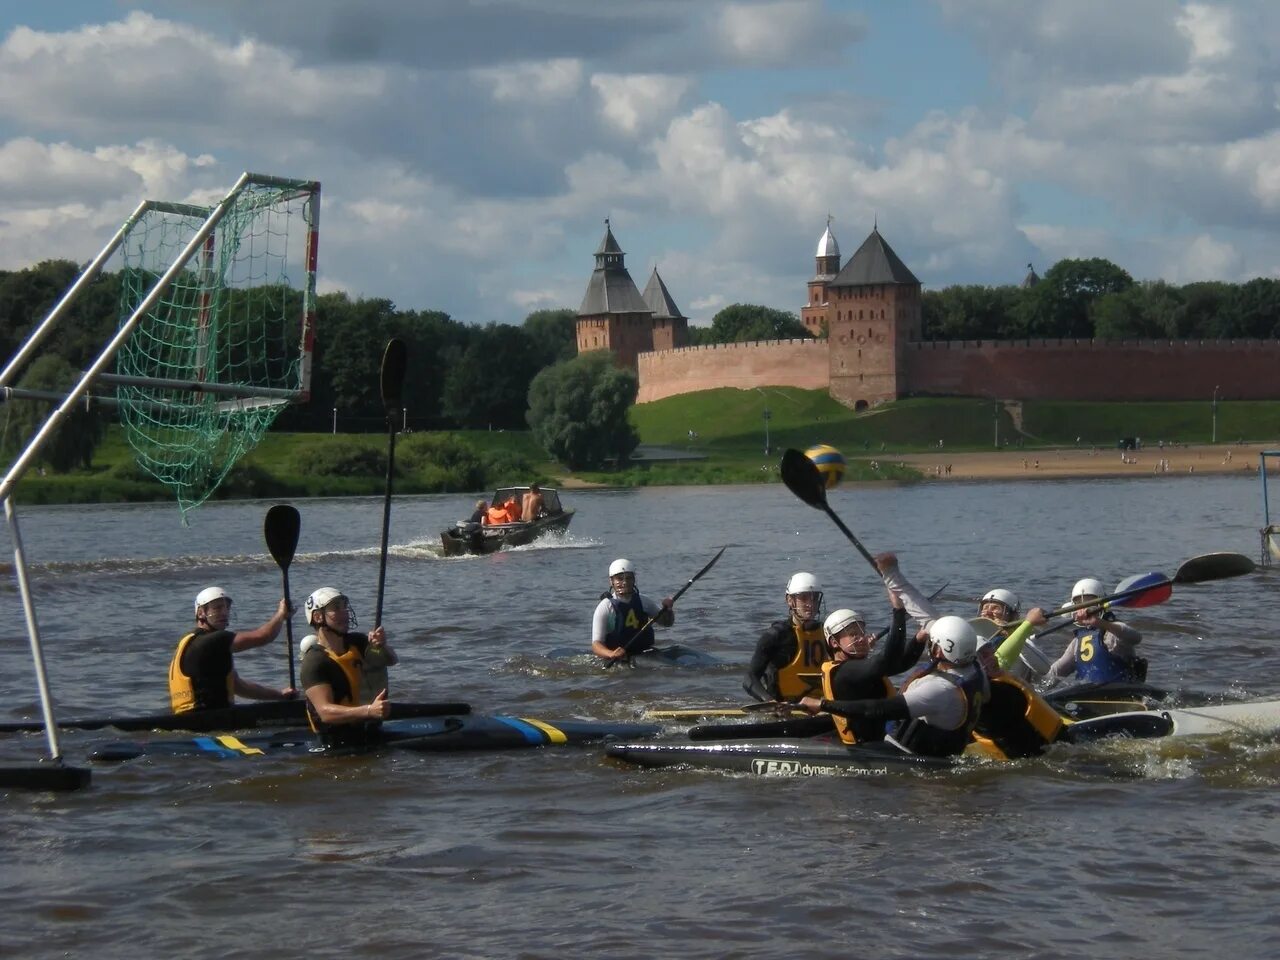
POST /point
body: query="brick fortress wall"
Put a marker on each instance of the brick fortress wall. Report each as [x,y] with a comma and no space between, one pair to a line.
[997,369]
[1095,369]
[762,363]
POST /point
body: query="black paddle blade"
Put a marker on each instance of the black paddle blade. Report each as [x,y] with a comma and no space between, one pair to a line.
[394,361]
[1214,566]
[802,478]
[280,529]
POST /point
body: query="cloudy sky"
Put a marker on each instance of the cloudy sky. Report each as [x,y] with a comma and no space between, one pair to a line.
[471,149]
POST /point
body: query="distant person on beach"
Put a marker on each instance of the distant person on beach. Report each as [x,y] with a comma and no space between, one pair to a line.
[202,674]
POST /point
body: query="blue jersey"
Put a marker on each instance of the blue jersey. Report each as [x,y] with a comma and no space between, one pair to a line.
[1095,661]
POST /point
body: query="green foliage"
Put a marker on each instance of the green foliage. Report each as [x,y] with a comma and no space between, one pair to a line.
[341,456]
[740,322]
[71,446]
[578,410]
[488,385]
[553,335]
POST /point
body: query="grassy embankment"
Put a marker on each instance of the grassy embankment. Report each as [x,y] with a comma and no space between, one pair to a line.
[730,439]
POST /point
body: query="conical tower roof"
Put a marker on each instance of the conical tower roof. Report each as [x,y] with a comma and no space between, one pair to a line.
[874,263]
[658,298]
[611,289]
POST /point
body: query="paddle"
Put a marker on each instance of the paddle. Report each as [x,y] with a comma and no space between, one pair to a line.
[394,360]
[802,478]
[280,529]
[1214,566]
[236,717]
[795,727]
[679,593]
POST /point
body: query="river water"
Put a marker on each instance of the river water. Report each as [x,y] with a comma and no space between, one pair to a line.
[1111,851]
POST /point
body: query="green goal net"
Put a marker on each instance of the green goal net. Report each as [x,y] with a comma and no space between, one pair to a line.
[222,299]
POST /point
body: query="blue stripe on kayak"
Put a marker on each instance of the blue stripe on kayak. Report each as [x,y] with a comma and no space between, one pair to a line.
[213,746]
[526,730]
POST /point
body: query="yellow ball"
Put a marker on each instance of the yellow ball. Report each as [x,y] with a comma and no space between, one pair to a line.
[830,463]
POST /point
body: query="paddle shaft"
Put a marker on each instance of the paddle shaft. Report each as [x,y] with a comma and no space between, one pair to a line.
[852,538]
[392,387]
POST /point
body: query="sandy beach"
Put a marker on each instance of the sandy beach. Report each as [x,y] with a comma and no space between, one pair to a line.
[1073,462]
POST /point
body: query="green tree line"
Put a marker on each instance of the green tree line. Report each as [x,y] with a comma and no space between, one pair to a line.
[1094,298]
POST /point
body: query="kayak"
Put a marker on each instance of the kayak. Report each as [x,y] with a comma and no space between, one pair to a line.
[777,758]
[675,655]
[422,735]
[240,716]
[47,775]
[827,756]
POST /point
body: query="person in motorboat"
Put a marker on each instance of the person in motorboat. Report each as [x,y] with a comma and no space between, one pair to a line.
[1104,649]
[1015,721]
[333,670]
[789,655]
[202,674]
[531,505]
[478,514]
[622,624]
[937,709]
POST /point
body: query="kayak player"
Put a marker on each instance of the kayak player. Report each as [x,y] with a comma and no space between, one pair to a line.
[789,655]
[1003,608]
[1016,721]
[202,674]
[1104,649]
[622,624]
[853,673]
[333,670]
[938,708]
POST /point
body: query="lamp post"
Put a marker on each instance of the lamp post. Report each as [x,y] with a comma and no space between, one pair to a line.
[996,419]
[767,414]
[335,420]
[1215,415]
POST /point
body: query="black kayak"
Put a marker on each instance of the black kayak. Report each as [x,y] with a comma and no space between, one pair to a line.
[777,758]
[828,756]
[428,734]
[241,716]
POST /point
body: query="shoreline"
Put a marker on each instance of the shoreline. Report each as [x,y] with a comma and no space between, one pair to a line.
[1079,463]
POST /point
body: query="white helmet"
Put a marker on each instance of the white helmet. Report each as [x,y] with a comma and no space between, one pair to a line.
[1088,587]
[955,639]
[210,594]
[321,599]
[622,565]
[1007,597]
[803,583]
[839,620]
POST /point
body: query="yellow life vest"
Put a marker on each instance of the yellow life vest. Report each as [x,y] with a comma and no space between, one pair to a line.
[802,676]
[182,693]
[1007,735]
[828,693]
[351,663]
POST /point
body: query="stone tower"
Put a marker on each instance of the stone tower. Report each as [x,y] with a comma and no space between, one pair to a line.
[872,312]
[613,315]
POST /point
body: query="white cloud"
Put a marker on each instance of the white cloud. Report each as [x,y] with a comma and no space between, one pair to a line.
[543,82]
[1210,30]
[635,102]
